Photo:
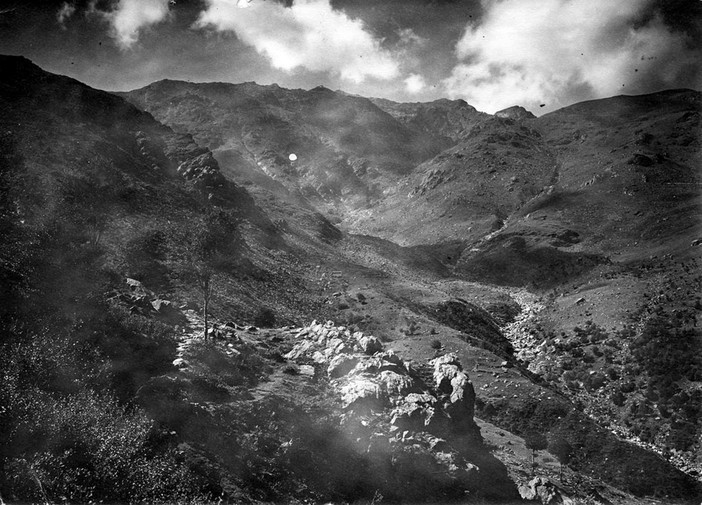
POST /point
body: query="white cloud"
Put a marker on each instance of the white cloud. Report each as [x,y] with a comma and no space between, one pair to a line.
[132,16]
[407,36]
[529,52]
[309,34]
[65,12]
[415,83]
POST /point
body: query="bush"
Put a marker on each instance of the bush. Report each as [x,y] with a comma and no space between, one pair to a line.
[85,447]
[265,318]
[612,373]
[667,351]
[628,387]
[435,344]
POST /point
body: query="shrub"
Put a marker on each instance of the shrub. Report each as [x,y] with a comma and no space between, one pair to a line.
[612,373]
[435,344]
[265,318]
[618,398]
[535,441]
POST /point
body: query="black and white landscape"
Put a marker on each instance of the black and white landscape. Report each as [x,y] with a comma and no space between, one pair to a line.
[441,252]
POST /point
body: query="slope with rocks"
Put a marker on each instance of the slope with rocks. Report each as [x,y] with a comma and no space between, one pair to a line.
[347,150]
[449,120]
[626,189]
[467,191]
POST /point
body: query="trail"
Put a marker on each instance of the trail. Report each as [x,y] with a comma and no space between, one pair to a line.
[192,333]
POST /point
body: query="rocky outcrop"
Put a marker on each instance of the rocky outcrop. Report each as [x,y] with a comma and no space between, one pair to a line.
[138,299]
[515,112]
[414,421]
[543,490]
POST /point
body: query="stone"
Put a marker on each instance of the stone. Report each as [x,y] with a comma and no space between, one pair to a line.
[458,393]
[160,305]
[180,363]
[370,344]
[414,410]
[362,391]
[542,489]
[300,350]
[394,383]
[306,370]
[341,365]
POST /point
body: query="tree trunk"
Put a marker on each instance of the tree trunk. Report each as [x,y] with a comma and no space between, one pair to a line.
[204,312]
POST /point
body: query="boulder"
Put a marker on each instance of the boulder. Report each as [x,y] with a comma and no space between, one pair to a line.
[414,411]
[341,364]
[180,363]
[369,344]
[362,392]
[395,383]
[300,350]
[455,388]
[545,491]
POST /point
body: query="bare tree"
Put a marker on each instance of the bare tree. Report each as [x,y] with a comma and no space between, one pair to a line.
[209,246]
[560,448]
[203,275]
[535,441]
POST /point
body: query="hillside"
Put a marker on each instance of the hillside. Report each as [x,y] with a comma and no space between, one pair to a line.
[347,150]
[595,206]
[128,232]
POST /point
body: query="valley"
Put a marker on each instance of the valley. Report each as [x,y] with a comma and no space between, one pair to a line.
[472,278]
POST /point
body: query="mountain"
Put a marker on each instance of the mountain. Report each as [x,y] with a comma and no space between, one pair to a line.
[447,120]
[515,112]
[346,149]
[595,205]
[160,288]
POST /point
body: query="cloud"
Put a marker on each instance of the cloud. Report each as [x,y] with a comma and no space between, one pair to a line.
[415,83]
[64,14]
[130,17]
[408,37]
[308,34]
[557,52]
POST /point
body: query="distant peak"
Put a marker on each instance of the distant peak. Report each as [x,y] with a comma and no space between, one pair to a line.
[321,89]
[515,112]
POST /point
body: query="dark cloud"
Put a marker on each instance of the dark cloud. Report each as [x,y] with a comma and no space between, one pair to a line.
[679,15]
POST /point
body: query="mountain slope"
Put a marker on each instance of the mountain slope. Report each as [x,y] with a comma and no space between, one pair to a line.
[448,120]
[346,149]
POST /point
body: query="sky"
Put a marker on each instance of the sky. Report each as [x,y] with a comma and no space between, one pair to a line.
[541,54]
